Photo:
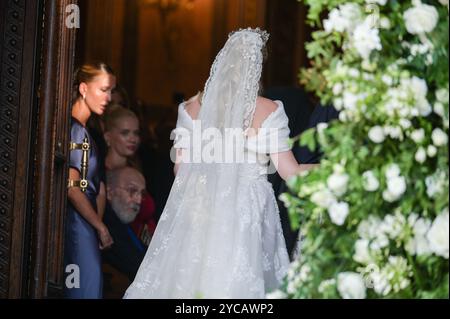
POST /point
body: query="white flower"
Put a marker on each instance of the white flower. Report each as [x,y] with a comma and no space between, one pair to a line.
[337,183]
[366,39]
[405,123]
[421,155]
[438,235]
[338,104]
[343,18]
[368,229]
[385,23]
[439,137]
[435,183]
[376,134]
[392,171]
[321,127]
[443,2]
[370,182]
[396,186]
[323,198]
[417,86]
[381,283]
[381,241]
[337,88]
[442,95]
[362,254]
[351,285]
[423,106]
[350,100]
[418,245]
[418,135]
[431,151]
[393,225]
[439,109]
[387,196]
[421,18]
[394,132]
[338,212]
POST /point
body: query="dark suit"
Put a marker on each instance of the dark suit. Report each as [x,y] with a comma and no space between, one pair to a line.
[127,253]
[302,115]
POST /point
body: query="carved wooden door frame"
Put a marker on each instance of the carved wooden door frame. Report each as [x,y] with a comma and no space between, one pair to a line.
[36,66]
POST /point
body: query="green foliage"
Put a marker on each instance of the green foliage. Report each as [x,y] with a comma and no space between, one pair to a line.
[378,203]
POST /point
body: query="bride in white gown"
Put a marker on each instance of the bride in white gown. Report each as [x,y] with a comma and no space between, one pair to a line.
[219,235]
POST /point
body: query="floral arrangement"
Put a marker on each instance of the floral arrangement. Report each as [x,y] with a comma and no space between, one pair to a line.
[374,216]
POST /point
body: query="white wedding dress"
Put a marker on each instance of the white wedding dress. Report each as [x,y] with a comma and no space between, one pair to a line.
[219,235]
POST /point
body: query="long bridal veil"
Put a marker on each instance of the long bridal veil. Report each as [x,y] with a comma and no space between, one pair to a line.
[204,245]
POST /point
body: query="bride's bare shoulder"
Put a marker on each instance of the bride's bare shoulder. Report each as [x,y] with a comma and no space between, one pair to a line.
[192,106]
[264,106]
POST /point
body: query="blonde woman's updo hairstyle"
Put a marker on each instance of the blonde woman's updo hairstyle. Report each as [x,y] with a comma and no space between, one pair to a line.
[115,114]
[86,73]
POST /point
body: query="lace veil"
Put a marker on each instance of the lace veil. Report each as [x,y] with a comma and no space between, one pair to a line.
[202,223]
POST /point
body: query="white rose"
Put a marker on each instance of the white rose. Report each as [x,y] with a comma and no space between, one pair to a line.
[435,183]
[392,171]
[381,241]
[438,235]
[442,95]
[362,254]
[421,18]
[439,137]
[424,107]
[337,183]
[396,186]
[418,135]
[418,245]
[418,87]
[381,284]
[431,151]
[323,198]
[421,155]
[366,38]
[394,132]
[338,212]
[376,134]
[439,109]
[370,182]
[405,123]
[351,285]
[369,228]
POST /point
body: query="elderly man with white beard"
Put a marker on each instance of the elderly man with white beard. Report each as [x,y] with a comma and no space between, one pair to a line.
[124,189]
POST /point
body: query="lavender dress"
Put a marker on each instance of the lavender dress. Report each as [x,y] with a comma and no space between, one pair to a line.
[81,241]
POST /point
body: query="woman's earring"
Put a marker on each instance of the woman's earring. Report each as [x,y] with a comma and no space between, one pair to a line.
[84,96]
